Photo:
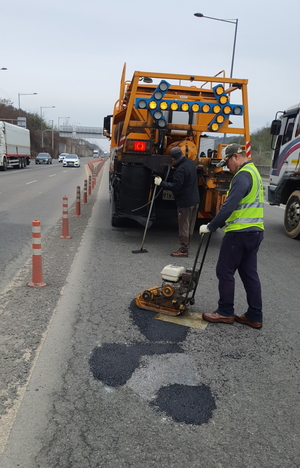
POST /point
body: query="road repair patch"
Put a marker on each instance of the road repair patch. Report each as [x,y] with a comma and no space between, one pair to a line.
[191,319]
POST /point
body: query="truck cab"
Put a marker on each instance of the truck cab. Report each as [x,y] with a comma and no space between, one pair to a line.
[284,186]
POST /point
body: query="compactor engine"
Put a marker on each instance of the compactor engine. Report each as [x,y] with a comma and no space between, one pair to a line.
[171,297]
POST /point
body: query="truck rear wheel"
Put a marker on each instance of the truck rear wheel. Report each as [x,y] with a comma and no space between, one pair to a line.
[4,166]
[292,216]
[115,220]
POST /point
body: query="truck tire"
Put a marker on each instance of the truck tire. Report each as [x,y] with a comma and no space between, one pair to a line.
[292,216]
[4,166]
[115,220]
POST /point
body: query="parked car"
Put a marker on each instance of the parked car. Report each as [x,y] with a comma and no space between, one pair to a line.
[71,160]
[43,158]
[62,156]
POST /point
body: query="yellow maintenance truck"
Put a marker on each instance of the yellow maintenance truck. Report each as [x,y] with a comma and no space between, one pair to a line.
[154,113]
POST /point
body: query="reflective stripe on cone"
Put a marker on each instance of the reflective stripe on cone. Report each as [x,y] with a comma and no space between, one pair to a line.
[65,220]
[37,270]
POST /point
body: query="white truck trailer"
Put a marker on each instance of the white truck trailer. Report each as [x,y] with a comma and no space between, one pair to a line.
[284,186]
[14,146]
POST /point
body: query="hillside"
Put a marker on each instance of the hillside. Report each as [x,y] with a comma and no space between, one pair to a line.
[261,151]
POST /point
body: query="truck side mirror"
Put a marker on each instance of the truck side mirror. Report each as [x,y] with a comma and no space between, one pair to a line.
[275,127]
[106,125]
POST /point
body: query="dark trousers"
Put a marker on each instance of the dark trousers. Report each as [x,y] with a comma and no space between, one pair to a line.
[239,252]
[187,217]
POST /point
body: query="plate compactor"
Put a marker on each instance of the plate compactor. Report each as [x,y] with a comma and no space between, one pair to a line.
[178,287]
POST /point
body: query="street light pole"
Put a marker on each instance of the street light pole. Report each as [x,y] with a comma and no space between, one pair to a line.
[19,100]
[58,128]
[62,118]
[52,137]
[235,21]
[41,110]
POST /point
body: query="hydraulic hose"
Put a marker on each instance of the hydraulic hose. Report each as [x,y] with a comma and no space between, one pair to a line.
[146,204]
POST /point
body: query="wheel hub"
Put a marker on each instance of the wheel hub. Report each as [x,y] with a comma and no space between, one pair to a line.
[294,214]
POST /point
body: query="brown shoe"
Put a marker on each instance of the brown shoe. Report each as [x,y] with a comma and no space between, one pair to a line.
[215,317]
[180,253]
[245,321]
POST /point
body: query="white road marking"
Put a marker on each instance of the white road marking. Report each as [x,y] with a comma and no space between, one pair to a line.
[32,182]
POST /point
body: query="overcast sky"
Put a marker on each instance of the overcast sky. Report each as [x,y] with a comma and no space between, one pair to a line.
[71,53]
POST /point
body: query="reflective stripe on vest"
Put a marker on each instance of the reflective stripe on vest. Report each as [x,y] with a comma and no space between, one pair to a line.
[249,212]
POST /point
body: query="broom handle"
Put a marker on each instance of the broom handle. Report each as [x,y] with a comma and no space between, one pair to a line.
[150,209]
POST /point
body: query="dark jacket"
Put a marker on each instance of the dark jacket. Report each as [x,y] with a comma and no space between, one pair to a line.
[185,183]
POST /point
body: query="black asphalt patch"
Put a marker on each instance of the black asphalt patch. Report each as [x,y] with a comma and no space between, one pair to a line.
[186,404]
[114,364]
[155,330]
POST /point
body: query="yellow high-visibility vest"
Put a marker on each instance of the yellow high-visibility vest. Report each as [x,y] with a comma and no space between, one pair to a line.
[250,211]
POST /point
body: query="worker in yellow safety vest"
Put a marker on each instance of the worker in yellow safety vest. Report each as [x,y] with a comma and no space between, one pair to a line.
[242,215]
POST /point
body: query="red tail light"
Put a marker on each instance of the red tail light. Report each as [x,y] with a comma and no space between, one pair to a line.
[139,146]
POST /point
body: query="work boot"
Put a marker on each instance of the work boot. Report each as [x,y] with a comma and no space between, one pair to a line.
[217,318]
[245,321]
[182,252]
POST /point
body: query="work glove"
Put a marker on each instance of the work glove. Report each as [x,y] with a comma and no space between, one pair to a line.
[157,180]
[204,229]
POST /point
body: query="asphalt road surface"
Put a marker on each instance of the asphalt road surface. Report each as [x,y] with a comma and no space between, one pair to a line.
[32,193]
[92,381]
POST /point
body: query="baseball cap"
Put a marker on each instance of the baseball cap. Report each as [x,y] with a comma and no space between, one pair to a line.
[230,150]
[175,152]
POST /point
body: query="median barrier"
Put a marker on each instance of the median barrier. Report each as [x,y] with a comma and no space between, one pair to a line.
[78,207]
[94,168]
[94,179]
[37,270]
[84,202]
[65,220]
[90,186]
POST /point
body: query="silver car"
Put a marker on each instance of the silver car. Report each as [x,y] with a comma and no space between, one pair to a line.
[43,158]
[71,160]
[62,156]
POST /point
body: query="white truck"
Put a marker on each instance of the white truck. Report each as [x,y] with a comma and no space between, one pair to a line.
[14,146]
[284,186]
